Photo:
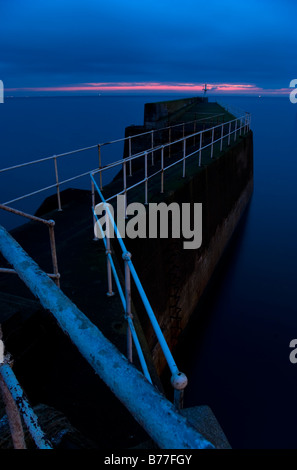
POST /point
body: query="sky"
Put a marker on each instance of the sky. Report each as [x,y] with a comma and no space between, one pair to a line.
[117,46]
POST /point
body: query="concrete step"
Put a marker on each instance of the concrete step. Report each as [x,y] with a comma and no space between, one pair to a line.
[203,419]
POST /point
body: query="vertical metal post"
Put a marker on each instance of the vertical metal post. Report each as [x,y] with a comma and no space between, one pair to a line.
[179,382]
[100,167]
[235,131]
[200,149]
[152,145]
[183,130]
[146,179]
[127,258]
[110,292]
[222,137]
[125,185]
[54,251]
[240,131]
[212,139]
[57,184]
[229,135]
[130,154]
[184,159]
[93,207]
[162,169]
[13,416]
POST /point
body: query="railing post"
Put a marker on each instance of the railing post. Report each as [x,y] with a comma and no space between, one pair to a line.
[54,251]
[130,154]
[229,135]
[179,382]
[184,159]
[235,131]
[100,167]
[146,179]
[57,183]
[110,292]
[13,416]
[240,131]
[200,149]
[125,185]
[222,137]
[212,139]
[127,258]
[93,208]
[162,169]
[152,145]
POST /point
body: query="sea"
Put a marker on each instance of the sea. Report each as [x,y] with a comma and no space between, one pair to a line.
[236,350]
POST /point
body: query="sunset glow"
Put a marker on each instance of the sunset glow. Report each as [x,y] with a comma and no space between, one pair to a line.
[213,88]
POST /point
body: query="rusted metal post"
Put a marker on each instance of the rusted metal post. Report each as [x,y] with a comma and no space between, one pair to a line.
[54,251]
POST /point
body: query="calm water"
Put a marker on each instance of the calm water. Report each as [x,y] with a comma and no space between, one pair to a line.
[236,353]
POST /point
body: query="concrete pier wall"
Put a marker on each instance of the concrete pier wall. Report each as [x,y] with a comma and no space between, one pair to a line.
[174,278]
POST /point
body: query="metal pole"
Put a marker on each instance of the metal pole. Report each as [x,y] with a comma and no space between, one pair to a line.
[200,151]
[146,179]
[93,208]
[126,258]
[125,186]
[110,292]
[130,154]
[13,416]
[54,252]
[26,411]
[229,135]
[162,169]
[152,145]
[184,159]
[235,131]
[222,137]
[100,167]
[212,139]
[57,184]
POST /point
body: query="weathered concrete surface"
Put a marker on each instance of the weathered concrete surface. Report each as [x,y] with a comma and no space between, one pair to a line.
[174,278]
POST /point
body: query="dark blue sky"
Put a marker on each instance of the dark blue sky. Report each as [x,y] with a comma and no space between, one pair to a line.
[66,43]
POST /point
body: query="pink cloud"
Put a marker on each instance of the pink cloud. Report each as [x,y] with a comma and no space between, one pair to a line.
[157,86]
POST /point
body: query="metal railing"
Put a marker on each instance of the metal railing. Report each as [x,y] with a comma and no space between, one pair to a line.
[50,224]
[160,419]
[235,127]
[98,147]
[17,407]
[216,134]
[178,379]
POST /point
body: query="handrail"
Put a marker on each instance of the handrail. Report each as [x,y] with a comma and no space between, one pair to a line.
[244,125]
[16,403]
[55,158]
[179,380]
[51,224]
[160,419]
